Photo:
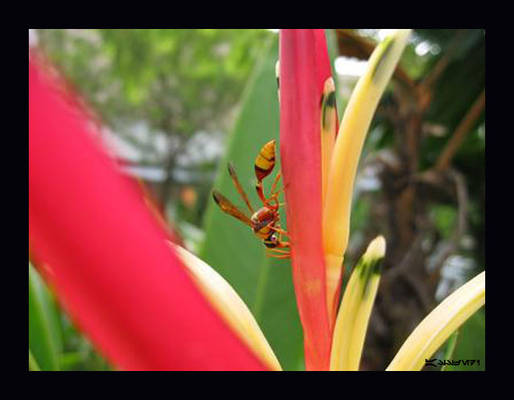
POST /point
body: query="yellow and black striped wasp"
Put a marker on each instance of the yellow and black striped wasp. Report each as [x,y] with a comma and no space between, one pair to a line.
[265,221]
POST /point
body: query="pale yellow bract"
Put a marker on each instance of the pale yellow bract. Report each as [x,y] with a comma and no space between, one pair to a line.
[437,327]
[347,150]
[230,306]
[355,310]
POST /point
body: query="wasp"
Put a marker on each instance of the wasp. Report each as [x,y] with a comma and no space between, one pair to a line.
[265,221]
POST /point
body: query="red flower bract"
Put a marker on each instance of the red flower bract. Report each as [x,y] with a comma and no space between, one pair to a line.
[111,266]
[304,67]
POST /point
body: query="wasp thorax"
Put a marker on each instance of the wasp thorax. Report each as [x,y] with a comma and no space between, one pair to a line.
[262,217]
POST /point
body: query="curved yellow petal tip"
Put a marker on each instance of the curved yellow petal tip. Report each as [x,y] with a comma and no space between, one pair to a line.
[376,249]
[346,153]
[229,305]
[353,317]
[329,86]
[437,327]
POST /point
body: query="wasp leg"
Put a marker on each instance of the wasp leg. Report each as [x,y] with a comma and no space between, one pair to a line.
[279,230]
[273,191]
[274,185]
[278,254]
[282,256]
[274,194]
[273,197]
[260,192]
[279,257]
[279,251]
[268,201]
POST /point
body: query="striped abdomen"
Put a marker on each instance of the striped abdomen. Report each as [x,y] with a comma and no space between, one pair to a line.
[265,160]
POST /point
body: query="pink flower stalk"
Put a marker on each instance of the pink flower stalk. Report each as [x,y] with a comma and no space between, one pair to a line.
[304,68]
[110,264]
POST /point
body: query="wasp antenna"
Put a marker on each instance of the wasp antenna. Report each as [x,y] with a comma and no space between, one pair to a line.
[216,196]
[237,184]
[230,168]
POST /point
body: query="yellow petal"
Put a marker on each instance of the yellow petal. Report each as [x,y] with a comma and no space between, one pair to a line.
[437,327]
[347,150]
[353,317]
[230,306]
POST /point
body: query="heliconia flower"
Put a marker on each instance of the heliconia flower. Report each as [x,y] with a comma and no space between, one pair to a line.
[147,303]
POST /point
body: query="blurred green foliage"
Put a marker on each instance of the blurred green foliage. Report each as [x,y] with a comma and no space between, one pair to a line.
[45,336]
[189,76]
[54,343]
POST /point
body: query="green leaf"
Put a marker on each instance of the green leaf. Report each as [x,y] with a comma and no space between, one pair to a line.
[450,348]
[471,344]
[32,363]
[230,247]
[45,341]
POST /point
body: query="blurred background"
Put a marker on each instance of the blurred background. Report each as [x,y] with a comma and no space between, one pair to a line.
[174,106]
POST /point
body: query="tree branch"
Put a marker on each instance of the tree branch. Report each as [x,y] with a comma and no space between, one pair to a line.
[443,62]
[350,44]
[460,133]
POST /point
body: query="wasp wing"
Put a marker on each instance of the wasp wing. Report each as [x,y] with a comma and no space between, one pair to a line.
[229,208]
